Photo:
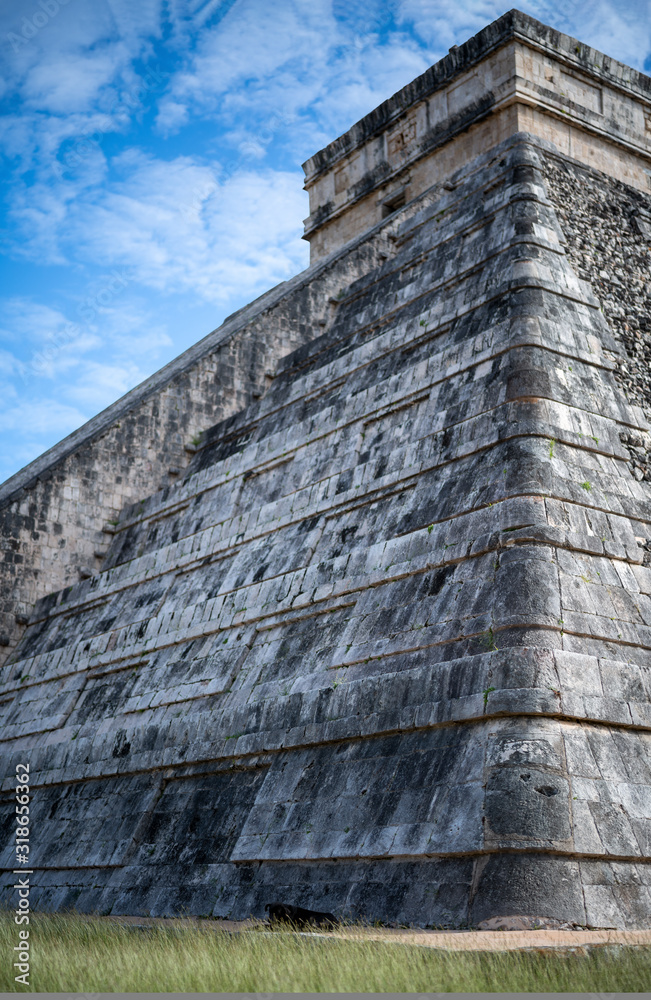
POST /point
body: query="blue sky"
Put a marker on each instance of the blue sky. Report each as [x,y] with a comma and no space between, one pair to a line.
[151,155]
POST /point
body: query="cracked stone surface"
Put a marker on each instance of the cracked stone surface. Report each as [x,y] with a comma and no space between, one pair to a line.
[384,649]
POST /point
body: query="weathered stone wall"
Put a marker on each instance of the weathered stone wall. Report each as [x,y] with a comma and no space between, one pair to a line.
[384,650]
[383,647]
[57,514]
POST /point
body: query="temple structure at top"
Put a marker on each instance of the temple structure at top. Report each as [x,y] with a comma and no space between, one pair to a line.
[516,75]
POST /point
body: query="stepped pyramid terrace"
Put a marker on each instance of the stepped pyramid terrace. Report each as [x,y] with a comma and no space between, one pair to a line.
[349,606]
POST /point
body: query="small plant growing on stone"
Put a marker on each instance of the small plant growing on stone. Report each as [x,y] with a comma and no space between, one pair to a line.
[488,640]
[586,486]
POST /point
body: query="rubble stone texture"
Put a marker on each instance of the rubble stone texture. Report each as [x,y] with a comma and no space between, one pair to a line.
[608,229]
[383,650]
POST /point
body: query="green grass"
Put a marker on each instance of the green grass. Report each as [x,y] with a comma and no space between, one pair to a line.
[77,954]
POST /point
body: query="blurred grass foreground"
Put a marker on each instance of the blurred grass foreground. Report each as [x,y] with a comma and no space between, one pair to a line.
[71,953]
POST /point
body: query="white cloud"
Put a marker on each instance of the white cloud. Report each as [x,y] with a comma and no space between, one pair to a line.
[241,58]
[254,42]
[62,84]
[43,416]
[30,426]
[57,370]
[97,384]
[137,22]
[177,227]
[24,320]
[10,366]
[64,66]
[106,323]
[293,75]
[171,116]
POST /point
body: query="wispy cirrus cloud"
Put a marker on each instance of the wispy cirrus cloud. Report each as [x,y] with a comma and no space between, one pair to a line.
[59,367]
[178,226]
[304,64]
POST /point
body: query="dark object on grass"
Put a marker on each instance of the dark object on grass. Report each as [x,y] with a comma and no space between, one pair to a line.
[297,915]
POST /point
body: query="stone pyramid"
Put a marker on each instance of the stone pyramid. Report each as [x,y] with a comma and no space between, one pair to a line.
[382,648]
